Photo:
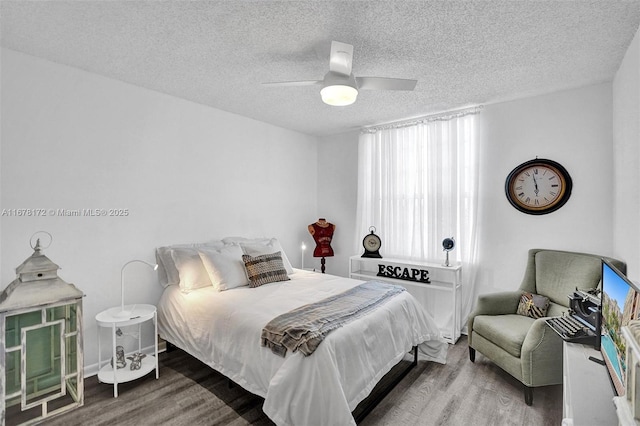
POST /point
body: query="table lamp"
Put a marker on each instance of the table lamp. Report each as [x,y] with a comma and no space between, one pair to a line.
[303,247]
[122,312]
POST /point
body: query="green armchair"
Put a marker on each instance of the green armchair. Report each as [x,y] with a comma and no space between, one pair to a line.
[523,346]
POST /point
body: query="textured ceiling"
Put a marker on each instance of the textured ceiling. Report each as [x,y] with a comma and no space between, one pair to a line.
[218,52]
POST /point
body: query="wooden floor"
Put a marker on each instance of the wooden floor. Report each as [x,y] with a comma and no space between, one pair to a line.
[190,393]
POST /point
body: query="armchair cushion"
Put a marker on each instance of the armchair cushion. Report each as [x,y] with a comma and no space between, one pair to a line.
[506,331]
[559,273]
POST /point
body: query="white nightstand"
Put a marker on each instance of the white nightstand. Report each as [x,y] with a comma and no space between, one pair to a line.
[114,318]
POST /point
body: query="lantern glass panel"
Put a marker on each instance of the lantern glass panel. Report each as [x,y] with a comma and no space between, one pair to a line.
[43,362]
[72,314]
[66,312]
[56,313]
[12,373]
[72,351]
[72,388]
[15,323]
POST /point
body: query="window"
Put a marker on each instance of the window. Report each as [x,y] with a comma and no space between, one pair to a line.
[418,184]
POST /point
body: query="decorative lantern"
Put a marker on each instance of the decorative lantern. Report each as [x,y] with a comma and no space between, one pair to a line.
[41,358]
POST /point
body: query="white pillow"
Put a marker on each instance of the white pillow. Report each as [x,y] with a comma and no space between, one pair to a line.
[163,259]
[191,270]
[225,267]
[166,265]
[257,247]
[167,271]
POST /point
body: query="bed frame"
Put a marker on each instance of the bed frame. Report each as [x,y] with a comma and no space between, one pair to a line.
[366,405]
[369,403]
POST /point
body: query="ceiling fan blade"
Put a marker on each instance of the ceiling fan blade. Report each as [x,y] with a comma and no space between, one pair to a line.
[341,57]
[293,83]
[383,83]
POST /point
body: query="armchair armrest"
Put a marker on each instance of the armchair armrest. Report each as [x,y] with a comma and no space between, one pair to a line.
[541,356]
[505,302]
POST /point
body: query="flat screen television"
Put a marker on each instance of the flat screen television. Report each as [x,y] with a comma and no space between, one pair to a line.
[620,304]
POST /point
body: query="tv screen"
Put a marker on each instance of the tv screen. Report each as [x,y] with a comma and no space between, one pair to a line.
[620,304]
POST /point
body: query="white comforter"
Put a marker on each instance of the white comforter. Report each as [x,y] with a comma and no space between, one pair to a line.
[223,329]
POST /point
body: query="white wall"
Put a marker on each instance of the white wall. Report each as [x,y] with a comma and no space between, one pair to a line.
[185,172]
[626,148]
[337,197]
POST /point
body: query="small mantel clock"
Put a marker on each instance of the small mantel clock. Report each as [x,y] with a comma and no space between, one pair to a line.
[41,358]
[372,244]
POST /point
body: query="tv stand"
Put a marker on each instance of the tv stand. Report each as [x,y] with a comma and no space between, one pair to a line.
[587,390]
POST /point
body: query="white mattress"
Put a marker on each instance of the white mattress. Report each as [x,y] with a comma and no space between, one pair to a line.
[222,329]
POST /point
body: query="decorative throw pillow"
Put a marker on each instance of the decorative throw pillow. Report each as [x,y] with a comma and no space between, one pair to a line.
[263,269]
[533,305]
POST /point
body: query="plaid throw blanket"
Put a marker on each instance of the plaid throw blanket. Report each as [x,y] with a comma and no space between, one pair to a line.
[304,328]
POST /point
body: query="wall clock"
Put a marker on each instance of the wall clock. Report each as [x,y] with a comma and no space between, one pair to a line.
[372,244]
[538,186]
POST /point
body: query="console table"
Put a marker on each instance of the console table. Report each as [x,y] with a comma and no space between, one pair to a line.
[587,390]
[444,279]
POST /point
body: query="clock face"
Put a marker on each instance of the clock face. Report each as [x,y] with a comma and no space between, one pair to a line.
[371,242]
[538,186]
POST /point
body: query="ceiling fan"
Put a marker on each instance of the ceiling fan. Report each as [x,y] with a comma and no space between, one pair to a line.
[339,85]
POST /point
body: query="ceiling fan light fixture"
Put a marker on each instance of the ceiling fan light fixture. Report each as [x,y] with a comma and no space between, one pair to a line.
[339,89]
[339,95]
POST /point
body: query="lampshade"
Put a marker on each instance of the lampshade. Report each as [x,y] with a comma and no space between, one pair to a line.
[339,89]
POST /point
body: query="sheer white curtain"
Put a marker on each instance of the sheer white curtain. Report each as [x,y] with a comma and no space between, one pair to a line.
[418,184]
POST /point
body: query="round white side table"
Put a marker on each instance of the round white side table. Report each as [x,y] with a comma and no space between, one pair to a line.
[115,318]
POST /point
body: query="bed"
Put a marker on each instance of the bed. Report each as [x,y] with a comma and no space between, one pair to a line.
[222,328]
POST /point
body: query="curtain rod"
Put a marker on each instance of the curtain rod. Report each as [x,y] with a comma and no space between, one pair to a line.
[442,116]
